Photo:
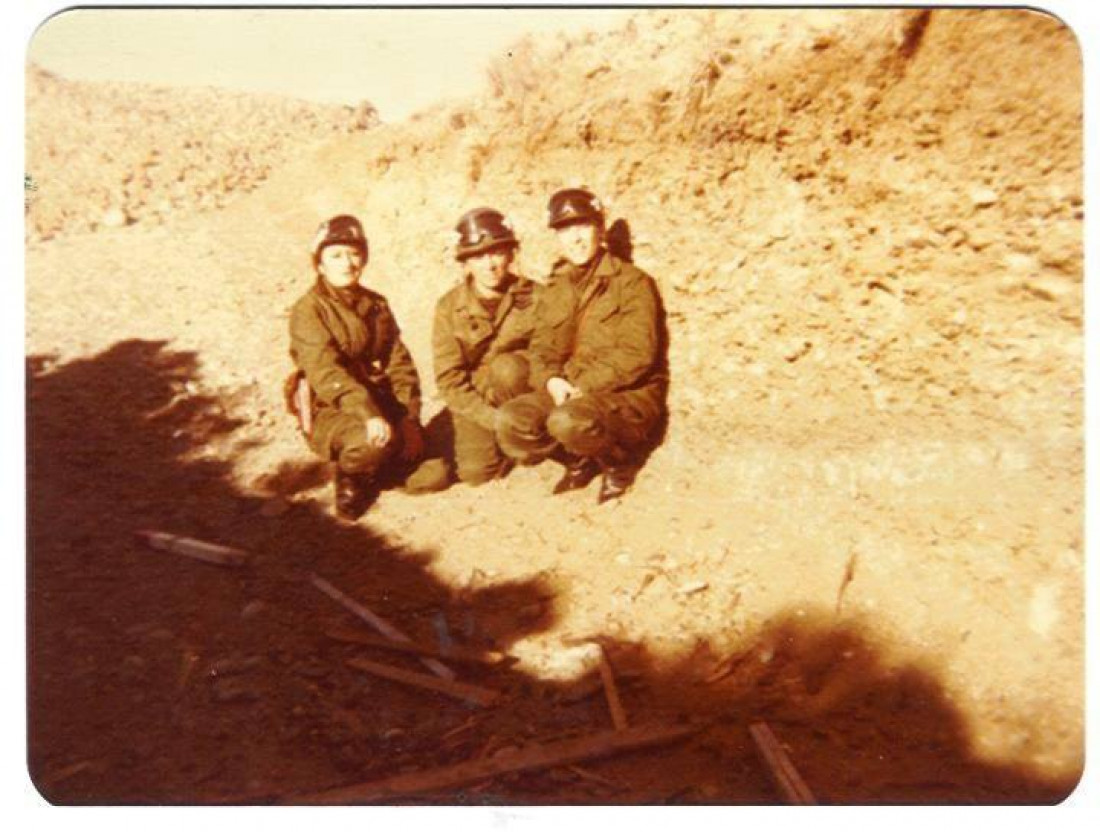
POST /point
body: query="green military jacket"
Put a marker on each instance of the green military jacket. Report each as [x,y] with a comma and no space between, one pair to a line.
[465,338]
[348,344]
[601,331]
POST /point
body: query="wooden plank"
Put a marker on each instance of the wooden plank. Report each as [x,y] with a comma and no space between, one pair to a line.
[459,690]
[611,691]
[378,623]
[457,654]
[529,758]
[197,549]
[783,773]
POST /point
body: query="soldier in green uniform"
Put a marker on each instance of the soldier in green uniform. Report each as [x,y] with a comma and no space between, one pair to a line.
[365,408]
[598,360]
[480,336]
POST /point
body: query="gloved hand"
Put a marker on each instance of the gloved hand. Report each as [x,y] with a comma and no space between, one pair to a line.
[379,432]
[561,390]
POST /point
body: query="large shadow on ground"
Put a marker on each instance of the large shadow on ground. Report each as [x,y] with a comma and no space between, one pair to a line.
[154,678]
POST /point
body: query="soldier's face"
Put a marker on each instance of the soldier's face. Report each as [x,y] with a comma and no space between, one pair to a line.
[341,265]
[580,242]
[489,271]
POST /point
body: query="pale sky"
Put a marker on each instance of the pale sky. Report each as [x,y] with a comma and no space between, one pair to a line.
[401,60]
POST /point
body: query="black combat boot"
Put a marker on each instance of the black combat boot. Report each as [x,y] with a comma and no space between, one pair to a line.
[616,480]
[578,473]
[351,494]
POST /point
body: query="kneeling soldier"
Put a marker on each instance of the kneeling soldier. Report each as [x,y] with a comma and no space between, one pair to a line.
[365,391]
[598,360]
[480,337]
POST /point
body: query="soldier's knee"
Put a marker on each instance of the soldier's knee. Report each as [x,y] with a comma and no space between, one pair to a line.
[361,459]
[568,421]
[508,376]
[577,428]
[521,430]
[478,473]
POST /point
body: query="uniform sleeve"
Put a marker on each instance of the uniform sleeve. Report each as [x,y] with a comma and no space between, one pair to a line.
[630,348]
[403,377]
[546,355]
[452,377]
[317,354]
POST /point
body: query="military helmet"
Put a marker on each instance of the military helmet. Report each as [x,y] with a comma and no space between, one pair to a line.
[573,205]
[343,229]
[482,230]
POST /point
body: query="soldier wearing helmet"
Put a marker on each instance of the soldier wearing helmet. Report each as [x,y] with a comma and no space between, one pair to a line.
[364,413]
[598,360]
[480,335]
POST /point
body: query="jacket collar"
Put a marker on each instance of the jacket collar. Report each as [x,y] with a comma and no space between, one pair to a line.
[350,297]
[473,307]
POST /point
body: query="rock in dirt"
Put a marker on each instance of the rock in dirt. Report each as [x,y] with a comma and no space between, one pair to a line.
[983,197]
[114,218]
[693,587]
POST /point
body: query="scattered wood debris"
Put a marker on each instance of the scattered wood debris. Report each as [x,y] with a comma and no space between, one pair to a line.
[724,668]
[693,587]
[848,577]
[591,686]
[528,758]
[459,690]
[189,547]
[592,777]
[611,691]
[62,774]
[378,623]
[453,653]
[780,768]
[461,729]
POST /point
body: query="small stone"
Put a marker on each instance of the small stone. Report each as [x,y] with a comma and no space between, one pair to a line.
[693,587]
[253,608]
[1046,288]
[983,197]
[114,218]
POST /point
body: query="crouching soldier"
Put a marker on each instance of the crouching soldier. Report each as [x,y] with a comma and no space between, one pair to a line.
[480,337]
[598,360]
[364,392]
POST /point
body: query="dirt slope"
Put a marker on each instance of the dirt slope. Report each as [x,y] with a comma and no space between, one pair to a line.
[867,229]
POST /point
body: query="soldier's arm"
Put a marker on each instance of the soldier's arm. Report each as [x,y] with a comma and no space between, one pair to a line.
[631,349]
[546,356]
[317,354]
[403,375]
[452,377]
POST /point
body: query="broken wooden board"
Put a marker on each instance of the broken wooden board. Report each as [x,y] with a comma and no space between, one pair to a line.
[457,654]
[378,623]
[611,691]
[528,758]
[197,549]
[783,773]
[459,690]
